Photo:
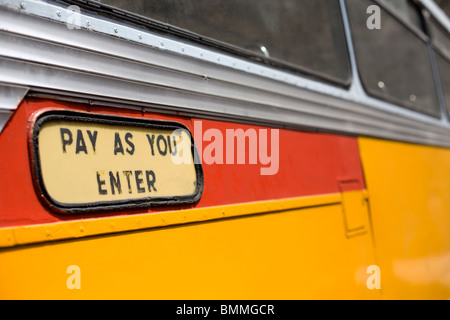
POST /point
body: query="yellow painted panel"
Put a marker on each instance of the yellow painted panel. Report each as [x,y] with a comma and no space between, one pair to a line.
[409,188]
[295,254]
[13,236]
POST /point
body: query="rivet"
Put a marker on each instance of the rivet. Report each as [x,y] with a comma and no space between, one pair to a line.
[162,44]
[140,36]
[22,5]
[116,30]
[58,13]
[88,23]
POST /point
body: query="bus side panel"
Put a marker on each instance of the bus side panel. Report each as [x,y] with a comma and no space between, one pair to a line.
[296,254]
[301,233]
[308,164]
[409,187]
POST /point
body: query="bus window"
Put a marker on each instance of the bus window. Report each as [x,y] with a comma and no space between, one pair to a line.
[444,74]
[303,35]
[439,36]
[407,11]
[441,43]
[393,60]
[445,5]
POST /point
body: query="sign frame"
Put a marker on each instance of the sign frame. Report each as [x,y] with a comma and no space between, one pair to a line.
[39,118]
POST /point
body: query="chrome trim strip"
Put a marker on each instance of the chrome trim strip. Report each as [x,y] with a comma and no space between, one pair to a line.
[4,117]
[10,98]
[57,12]
[46,56]
[437,13]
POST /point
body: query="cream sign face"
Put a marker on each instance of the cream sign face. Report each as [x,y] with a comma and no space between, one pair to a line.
[85,162]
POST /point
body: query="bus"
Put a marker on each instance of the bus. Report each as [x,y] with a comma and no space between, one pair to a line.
[224,149]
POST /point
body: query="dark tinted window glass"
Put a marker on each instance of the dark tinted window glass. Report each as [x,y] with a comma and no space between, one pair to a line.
[445,5]
[440,36]
[441,40]
[405,10]
[305,33]
[393,61]
[444,73]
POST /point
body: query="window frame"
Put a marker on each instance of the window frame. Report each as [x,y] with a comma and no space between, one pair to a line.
[183,34]
[440,50]
[421,35]
[436,45]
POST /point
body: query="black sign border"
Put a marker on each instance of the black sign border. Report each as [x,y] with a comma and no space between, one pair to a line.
[39,119]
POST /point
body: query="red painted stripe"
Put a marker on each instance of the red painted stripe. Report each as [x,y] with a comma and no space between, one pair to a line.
[309,164]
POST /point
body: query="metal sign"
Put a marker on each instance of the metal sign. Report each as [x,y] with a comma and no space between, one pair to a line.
[86,162]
